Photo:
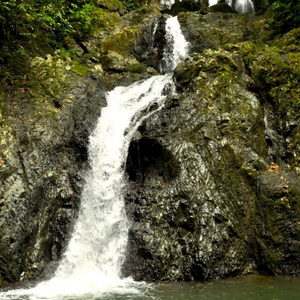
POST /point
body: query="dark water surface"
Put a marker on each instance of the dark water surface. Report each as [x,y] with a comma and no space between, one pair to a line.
[252,287]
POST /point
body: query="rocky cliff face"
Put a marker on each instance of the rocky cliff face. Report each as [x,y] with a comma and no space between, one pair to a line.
[214,179]
[44,134]
[213,182]
[46,117]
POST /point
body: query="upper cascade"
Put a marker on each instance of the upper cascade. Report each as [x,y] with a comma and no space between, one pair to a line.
[176,46]
[241,6]
[167,3]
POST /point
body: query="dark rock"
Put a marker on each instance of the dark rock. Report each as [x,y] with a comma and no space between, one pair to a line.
[228,208]
[182,6]
[44,155]
[222,8]
[149,47]
[113,61]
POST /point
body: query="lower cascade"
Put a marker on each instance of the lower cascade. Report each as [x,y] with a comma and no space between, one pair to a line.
[91,265]
[96,250]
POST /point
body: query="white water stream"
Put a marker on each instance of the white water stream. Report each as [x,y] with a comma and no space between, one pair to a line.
[92,262]
[241,6]
[176,46]
[244,6]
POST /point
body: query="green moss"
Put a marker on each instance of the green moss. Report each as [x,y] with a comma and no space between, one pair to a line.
[250,172]
[140,3]
[294,195]
[3,109]
[136,68]
[291,38]
[276,72]
[80,69]
[112,5]
[107,20]
[248,49]
[41,93]
[136,17]
[121,41]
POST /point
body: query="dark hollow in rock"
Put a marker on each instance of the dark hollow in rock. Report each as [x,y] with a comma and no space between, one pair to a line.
[146,157]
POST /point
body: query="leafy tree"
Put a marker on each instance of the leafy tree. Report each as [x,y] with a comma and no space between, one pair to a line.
[129,4]
[49,20]
[286,15]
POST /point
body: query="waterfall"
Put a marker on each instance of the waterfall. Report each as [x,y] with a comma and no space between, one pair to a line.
[213,2]
[244,6]
[167,3]
[91,264]
[176,46]
[241,6]
[96,250]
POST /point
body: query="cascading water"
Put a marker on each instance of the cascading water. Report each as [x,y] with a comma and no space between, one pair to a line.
[92,262]
[241,6]
[167,3]
[244,6]
[212,2]
[95,253]
[176,46]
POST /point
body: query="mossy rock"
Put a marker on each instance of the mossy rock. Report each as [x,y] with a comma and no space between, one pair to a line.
[183,6]
[113,61]
[214,30]
[289,39]
[222,8]
[80,69]
[138,16]
[3,109]
[276,71]
[107,19]
[122,41]
[112,5]
[140,3]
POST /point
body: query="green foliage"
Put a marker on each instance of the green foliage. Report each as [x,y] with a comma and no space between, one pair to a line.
[84,20]
[129,4]
[285,15]
[51,22]
[26,17]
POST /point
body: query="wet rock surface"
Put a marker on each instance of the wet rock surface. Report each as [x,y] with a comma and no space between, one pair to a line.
[43,157]
[213,185]
[197,223]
